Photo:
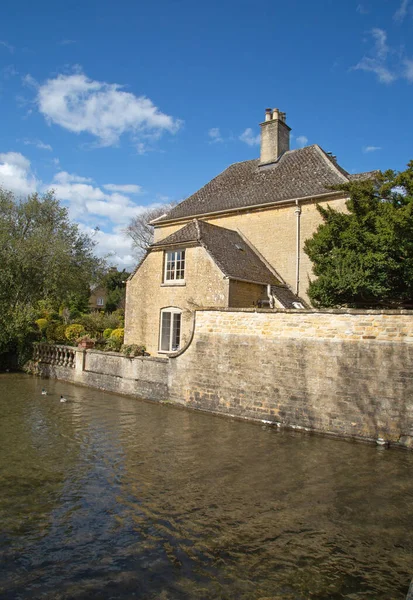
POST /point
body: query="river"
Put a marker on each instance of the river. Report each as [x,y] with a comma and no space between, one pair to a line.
[107,497]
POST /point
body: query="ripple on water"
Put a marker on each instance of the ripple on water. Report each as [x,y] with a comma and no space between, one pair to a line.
[110,497]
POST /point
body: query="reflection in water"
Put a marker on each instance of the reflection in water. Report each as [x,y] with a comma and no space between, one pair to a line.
[109,497]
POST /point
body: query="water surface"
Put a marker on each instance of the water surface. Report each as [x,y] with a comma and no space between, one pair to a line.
[110,497]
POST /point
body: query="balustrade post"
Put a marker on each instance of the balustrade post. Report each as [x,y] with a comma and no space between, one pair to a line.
[80,360]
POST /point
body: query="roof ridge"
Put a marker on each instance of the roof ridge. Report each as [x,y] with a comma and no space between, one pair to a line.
[198,230]
[299,173]
[331,164]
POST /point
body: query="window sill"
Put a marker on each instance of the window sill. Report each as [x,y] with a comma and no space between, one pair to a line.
[168,351]
[173,283]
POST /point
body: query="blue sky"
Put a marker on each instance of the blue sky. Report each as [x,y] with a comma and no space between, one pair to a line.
[123,105]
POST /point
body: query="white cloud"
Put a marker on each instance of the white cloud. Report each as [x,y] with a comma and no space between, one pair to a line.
[249,138]
[215,135]
[30,81]
[114,244]
[101,109]
[383,73]
[386,62]
[362,9]
[127,188]
[39,144]
[401,12]
[9,71]
[9,47]
[408,69]
[301,140]
[380,38]
[64,177]
[377,62]
[89,205]
[16,174]
[88,202]
[367,149]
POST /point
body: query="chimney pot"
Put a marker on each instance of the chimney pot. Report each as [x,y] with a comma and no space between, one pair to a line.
[268,113]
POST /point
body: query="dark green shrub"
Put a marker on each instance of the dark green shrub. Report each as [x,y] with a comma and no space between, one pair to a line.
[97,322]
[132,350]
[55,333]
[113,344]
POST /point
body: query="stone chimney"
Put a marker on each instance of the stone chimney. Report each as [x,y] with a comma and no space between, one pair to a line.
[275,136]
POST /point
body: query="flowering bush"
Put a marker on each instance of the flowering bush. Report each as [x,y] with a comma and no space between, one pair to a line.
[42,324]
[115,340]
[118,334]
[107,333]
[74,332]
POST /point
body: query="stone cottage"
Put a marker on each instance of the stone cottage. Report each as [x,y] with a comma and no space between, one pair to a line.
[237,242]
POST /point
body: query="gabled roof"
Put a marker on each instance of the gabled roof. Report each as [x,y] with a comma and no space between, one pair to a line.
[302,173]
[185,235]
[235,258]
[231,253]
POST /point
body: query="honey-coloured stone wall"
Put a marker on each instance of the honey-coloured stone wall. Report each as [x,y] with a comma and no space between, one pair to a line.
[273,231]
[343,373]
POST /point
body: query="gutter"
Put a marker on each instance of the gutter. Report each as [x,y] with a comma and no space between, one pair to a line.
[246,280]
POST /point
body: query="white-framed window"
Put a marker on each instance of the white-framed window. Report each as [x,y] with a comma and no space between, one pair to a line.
[99,301]
[174,266]
[170,330]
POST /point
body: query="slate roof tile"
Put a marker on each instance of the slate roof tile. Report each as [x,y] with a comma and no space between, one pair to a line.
[301,173]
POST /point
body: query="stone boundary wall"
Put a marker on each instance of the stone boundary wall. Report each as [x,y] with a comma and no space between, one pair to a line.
[384,326]
[346,373]
[339,372]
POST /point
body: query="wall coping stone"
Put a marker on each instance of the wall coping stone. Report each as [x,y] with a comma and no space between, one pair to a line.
[55,345]
[310,311]
[118,354]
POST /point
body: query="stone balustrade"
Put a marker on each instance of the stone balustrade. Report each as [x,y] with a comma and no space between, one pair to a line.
[57,355]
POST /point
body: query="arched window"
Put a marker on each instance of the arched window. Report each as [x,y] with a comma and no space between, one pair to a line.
[170,330]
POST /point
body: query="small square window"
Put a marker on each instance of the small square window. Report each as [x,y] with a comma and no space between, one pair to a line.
[99,301]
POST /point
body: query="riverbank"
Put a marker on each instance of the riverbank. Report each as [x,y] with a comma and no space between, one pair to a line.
[342,373]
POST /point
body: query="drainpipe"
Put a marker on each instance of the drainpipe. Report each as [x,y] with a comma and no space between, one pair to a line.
[297,269]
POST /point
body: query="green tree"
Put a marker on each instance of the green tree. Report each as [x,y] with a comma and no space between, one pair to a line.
[43,257]
[114,284]
[364,257]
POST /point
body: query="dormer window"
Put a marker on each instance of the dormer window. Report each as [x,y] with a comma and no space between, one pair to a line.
[174,266]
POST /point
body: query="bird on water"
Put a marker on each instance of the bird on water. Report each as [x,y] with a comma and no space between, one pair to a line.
[44,392]
[63,399]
